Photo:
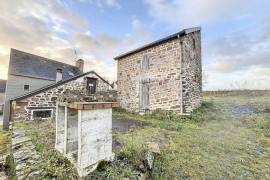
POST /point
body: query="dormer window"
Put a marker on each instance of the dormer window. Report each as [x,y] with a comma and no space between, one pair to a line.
[26,87]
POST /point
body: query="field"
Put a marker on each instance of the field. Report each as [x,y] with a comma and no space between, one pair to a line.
[227,138]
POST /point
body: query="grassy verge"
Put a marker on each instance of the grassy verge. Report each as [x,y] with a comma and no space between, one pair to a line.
[6,160]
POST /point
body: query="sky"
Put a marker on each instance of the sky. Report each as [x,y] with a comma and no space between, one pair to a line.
[235,34]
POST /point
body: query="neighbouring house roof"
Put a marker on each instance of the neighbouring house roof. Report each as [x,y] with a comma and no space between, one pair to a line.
[2,85]
[45,88]
[160,41]
[30,65]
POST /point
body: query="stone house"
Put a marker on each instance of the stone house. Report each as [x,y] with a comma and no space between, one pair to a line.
[165,74]
[35,83]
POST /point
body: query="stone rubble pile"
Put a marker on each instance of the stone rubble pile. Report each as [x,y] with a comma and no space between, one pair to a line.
[24,155]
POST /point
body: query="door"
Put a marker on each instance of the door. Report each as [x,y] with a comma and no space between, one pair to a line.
[91,85]
[144,96]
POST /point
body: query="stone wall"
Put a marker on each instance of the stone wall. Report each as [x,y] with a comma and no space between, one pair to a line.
[173,76]
[47,99]
[191,72]
[163,76]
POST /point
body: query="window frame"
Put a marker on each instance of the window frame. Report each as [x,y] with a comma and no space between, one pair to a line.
[88,89]
[34,110]
[24,89]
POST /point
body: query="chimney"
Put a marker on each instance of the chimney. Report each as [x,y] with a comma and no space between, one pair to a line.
[80,64]
[59,75]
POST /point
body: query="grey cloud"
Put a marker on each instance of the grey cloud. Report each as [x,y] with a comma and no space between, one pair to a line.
[194,12]
[238,51]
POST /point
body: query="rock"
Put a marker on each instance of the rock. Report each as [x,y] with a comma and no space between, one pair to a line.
[142,168]
[143,177]
[152,147]
[150,157]
[152,152]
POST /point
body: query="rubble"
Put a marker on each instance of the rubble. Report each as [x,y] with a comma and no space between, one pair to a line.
[152,152]
[23,153]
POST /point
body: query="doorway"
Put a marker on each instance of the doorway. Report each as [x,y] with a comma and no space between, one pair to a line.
[144,95]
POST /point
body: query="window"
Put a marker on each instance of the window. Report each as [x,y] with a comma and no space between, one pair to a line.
[145,63]
[41,113]
[26,87]
[194,44]
[91,85]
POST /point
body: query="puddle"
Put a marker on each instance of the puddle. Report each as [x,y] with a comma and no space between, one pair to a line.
[244,110]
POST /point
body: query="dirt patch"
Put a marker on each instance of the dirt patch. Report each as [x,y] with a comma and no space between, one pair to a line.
[124,125]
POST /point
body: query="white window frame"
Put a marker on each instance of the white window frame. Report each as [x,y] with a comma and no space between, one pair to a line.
[28,88]
[33,110]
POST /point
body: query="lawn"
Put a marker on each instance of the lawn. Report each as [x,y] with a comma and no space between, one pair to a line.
[227,138]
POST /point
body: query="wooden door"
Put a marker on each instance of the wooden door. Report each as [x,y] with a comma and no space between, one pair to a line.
[91,85]
[144,96]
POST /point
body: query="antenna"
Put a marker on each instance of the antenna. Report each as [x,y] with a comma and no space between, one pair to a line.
[76,55]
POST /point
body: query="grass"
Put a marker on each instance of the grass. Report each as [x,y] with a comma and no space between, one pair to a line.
[5,140]
[53,164]
[218,141]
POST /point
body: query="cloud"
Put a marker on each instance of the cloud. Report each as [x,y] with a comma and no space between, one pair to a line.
[105,47]
[100,49]
[187,13]
[101,3]
[239,51]
[39,27]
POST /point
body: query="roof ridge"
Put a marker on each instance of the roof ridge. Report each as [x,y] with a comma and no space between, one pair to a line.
[159,41]
[50,86]
[13,49]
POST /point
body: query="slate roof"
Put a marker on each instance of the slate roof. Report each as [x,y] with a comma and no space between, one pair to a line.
[2,85]
[30,65]
[45,88]
[160,41]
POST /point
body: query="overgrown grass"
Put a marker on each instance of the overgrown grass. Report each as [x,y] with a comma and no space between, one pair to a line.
[213,143]
[52,163]
[5,141]
[10,167]
[170,120]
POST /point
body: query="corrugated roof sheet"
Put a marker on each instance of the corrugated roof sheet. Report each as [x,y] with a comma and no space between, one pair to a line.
[26,64]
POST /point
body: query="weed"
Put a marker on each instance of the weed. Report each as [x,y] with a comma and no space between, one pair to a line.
[5,141]
[10,167]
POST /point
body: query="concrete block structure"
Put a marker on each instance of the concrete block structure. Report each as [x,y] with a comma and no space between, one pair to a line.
[165,74]
[84,133]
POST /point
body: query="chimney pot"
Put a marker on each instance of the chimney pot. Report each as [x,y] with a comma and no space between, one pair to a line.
[80,64]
